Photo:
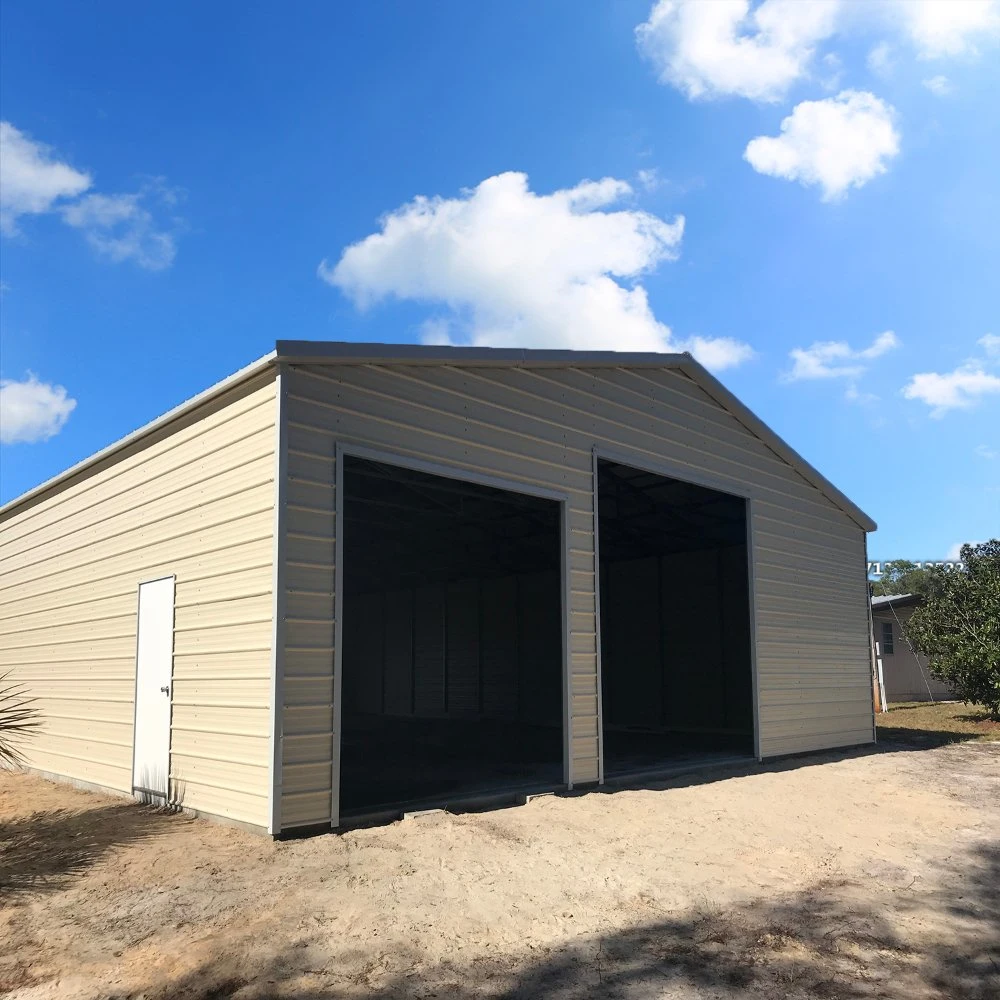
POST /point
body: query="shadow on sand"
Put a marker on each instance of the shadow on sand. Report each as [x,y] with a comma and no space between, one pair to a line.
[836,940]
[42,852]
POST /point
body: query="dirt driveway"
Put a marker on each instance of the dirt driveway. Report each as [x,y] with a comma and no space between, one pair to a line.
[865,875]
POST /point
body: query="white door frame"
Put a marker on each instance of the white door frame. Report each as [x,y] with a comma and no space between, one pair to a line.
[142,790]
[342,449]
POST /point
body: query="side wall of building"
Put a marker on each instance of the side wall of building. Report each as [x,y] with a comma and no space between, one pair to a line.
[194,500]
[904,673]
[539,427]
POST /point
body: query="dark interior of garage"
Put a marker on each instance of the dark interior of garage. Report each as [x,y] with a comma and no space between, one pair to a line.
[675,622]
[452,640]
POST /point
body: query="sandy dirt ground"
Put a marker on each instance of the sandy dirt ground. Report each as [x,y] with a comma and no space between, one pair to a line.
[838,876]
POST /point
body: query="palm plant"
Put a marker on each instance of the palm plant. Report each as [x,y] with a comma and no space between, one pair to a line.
[18,721]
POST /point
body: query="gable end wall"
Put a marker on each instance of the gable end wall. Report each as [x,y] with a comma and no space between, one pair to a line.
[539,427]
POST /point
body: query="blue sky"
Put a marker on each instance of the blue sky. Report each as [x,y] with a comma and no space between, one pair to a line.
[806,195]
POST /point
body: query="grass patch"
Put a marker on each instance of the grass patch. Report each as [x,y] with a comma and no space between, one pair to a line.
[943,722]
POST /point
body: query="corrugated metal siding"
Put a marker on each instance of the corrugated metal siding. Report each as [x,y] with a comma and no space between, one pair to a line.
[196,501]
[538,427]
[305,728]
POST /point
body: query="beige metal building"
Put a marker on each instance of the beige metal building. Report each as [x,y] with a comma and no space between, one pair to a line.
[351,578]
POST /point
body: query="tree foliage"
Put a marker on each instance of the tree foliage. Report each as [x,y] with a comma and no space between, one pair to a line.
[957,626]
[901,577]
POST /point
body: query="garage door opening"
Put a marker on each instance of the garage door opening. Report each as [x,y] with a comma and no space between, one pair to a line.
[676,668]
[452,655]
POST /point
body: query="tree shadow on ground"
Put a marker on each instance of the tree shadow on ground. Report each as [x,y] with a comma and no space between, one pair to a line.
[903,738]
[979,715]
[45,850]
[838,940]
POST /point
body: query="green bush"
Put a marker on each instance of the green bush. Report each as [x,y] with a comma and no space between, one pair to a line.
[957,627]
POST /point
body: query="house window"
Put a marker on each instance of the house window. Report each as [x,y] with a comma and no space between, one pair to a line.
[887,638]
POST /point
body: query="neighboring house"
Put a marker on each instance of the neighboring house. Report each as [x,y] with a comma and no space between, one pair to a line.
[353,577]
[904,673]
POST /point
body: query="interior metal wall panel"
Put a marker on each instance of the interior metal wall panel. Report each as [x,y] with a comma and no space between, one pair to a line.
[540,646]
[364,635]
[429,644]
[499,647]
[462,660]
[693,647]
[633,690]
[398,627]
[736,638]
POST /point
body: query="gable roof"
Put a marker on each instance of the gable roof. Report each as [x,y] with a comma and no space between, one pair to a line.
[336,352]
[350,353]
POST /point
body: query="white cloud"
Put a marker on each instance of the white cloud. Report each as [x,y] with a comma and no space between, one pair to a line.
[32,411]
[726,48]
[956,390]
[939,85]
[516,268]
[985,451]
[854,395]
[121,227]
[436,331]
[880,59]
[33,180]
[118,226]
[722,48]
[838,143]
[649,179]
[962,388]
[834,70]
[717,353]
[946,27]
[990,345]
[837,359]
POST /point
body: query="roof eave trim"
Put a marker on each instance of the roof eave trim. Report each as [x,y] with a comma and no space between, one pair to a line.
[304,352]
[230,382]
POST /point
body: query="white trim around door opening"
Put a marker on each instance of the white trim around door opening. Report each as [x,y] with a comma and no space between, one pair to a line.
[154,658]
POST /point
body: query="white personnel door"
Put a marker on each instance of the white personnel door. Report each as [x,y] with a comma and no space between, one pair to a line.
[153,681]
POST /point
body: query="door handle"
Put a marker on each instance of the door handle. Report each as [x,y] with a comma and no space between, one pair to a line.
[165,689]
